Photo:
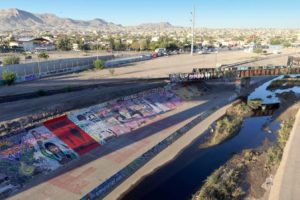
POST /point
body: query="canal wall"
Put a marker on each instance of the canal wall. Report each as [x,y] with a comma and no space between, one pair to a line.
[40,150]
[157,156]
[287,178]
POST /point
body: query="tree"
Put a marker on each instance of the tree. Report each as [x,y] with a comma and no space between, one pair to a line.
[153,46]
[43,55]
[11,60]
[111,42]
[172,46]
[276,41]
[287,44]
[258,50]
[9,77]
[64,44]
[82,45]
[119,45]
[144,44]
[135,45]
[98,64]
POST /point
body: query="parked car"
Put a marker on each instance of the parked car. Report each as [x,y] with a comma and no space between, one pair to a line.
[161,52]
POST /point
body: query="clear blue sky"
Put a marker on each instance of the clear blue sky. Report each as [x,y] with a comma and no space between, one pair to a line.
[210,13]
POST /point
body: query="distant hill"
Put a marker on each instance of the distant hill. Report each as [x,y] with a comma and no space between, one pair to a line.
[15,19]
[161,25]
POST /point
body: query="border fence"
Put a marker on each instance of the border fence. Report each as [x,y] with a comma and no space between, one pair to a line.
[36,70]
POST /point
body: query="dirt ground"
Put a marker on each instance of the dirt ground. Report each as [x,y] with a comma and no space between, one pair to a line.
[155,68]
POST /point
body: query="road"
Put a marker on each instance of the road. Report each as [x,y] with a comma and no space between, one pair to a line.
[287,180]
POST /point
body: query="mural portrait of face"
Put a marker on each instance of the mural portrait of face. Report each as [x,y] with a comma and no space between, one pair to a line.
[52,148]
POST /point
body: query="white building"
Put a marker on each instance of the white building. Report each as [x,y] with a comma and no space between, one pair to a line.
[26,43]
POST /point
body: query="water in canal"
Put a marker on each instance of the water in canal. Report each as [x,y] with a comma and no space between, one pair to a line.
[182,177]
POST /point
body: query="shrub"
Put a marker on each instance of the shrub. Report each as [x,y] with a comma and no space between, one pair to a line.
[9,77]
[255,103]
[43,55]
[258,51]
[222,184]
[98,64]
[111,72]
[274,153]
[11,60]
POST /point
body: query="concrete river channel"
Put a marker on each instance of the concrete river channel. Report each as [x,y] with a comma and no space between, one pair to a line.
[183,176]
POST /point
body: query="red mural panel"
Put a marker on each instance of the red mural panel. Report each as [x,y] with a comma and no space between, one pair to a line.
[71,134]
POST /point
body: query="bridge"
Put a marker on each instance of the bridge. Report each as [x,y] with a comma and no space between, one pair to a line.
[237,72]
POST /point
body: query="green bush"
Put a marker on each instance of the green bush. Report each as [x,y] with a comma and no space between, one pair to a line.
[112,72]
[274,153]
[9,77]
[43,55]
[222,184]
[98,64]
[11,60]
[258,51]
[255,103]
[229,125]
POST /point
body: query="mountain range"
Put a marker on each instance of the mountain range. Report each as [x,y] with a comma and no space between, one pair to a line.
[15,19]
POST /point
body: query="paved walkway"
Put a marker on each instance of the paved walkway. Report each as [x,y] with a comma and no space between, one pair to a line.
[287,180]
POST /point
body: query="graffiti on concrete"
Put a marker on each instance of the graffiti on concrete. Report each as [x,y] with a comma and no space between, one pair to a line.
[59,141]
[72,135]
[26,155]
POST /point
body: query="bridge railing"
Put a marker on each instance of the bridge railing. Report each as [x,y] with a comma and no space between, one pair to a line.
[200,74]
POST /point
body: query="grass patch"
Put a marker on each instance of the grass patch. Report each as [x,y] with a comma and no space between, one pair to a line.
[255,103]
[226,182]
[284,83]
[229,125]
[275,152]
[231,181]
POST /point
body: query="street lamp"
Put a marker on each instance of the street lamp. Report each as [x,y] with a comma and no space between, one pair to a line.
[193,30]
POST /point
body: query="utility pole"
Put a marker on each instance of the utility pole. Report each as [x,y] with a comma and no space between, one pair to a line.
[193,30]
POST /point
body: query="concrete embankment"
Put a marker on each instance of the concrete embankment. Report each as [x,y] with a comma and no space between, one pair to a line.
[16,116]
[287,179]
[77,136]
[193,130]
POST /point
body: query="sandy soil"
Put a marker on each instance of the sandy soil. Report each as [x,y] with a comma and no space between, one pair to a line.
[160,67]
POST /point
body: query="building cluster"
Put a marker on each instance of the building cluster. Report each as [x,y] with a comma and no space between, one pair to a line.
[249,39]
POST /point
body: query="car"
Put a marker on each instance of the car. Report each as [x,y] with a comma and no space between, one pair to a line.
[28,57]
[161,52]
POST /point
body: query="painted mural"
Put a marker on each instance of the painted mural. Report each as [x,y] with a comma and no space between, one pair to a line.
[59,141]
[72,135]
[26,155]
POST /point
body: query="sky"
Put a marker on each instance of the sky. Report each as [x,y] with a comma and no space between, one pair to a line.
[209,13]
